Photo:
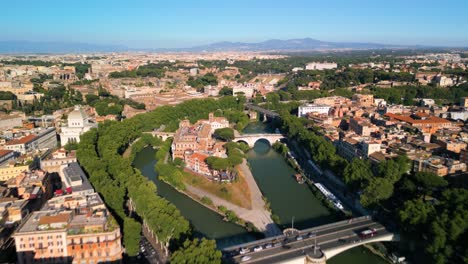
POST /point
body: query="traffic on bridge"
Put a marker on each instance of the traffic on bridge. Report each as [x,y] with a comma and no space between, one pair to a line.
[318,241]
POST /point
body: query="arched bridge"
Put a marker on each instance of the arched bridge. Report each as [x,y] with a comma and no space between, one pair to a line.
[313,245]
[250,139]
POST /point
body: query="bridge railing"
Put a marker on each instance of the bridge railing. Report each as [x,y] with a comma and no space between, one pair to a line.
[313,229]
[353,220]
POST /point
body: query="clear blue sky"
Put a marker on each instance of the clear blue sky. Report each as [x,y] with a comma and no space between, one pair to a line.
[184,23]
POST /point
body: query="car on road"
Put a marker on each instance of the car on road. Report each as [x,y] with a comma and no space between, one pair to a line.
[246,258]
[311,235]
[299,238]
[257,249]
[268,246]
[342,240]
[278,244]
[244,251]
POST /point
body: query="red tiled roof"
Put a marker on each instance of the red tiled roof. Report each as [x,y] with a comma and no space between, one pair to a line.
[198,156]
[410,120]
[4,152]
[22,140]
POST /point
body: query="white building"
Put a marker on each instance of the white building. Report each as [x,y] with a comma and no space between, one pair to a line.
[78,123]
[313,108]
[247,90]
[321,66]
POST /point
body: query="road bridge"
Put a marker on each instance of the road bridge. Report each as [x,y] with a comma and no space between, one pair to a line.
[266,112]
[313,245]
[250,139]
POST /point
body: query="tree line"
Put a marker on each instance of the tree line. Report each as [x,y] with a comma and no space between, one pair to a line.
[99,152]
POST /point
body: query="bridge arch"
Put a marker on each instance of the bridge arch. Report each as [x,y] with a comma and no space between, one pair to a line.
[251,139]
[331,252]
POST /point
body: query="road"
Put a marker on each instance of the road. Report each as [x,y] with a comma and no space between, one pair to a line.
[258,215]
[288,247]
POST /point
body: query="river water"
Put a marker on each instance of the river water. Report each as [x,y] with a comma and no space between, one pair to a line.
[288,199]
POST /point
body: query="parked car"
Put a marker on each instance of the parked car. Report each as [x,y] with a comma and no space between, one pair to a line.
[257,249]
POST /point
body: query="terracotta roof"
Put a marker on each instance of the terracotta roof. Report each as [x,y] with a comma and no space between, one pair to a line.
[198,156]
[22,140]
[410,120]
[4,152]
[60,218]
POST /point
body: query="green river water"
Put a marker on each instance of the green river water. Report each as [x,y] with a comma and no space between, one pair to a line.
[287,198]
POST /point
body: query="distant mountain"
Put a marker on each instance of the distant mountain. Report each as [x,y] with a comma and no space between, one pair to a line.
[290,45]
[22,47]
[304,44]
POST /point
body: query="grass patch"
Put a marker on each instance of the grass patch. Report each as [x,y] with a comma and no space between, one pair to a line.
[236,192]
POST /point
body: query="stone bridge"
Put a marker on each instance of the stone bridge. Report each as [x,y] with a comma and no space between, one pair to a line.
[250,139]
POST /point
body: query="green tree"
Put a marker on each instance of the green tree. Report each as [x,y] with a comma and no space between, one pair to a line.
[357,173]
[197,252]
[226,134]
[427,182]
[415,213]
[225,91]
[132,235]
[377,190]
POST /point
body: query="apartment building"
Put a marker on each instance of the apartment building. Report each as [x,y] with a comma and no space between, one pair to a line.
[70,229]
[305,109]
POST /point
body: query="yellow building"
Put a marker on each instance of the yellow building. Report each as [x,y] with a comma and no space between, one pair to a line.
[11,171]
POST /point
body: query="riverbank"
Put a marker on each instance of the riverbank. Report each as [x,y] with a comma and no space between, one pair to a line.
[258,214]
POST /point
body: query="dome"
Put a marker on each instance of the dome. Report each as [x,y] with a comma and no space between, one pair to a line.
[77,114]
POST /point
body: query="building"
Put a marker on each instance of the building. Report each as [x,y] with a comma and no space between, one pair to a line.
[364,100]
[11,171]
[30,185]
[6,156]
[69,229]
[22,145]
[321,66]
[196,162]
[303,110]
[78,123]
[57,159]
[424,122]
[332,101]
[433,164]
[246,90]
[74,179]
[44,139]
[362,126]
[10,121]
[464,101]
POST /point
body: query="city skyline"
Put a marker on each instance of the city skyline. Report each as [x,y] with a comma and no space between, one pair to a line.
[144,24]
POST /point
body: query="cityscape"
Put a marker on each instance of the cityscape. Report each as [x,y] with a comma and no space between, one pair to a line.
[210,132]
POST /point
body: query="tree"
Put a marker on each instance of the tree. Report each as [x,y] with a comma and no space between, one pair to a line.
[415,213]
[357,173]
[427,182]
[132,235]
[197,252]
[377,190]
[225,91]
[226,134]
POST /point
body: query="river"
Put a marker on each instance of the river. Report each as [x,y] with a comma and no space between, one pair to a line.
[287,198]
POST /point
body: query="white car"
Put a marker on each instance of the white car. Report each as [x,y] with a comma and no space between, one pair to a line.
[246,258]
[268,246]
[298,238]
[244,251]
[257,249]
